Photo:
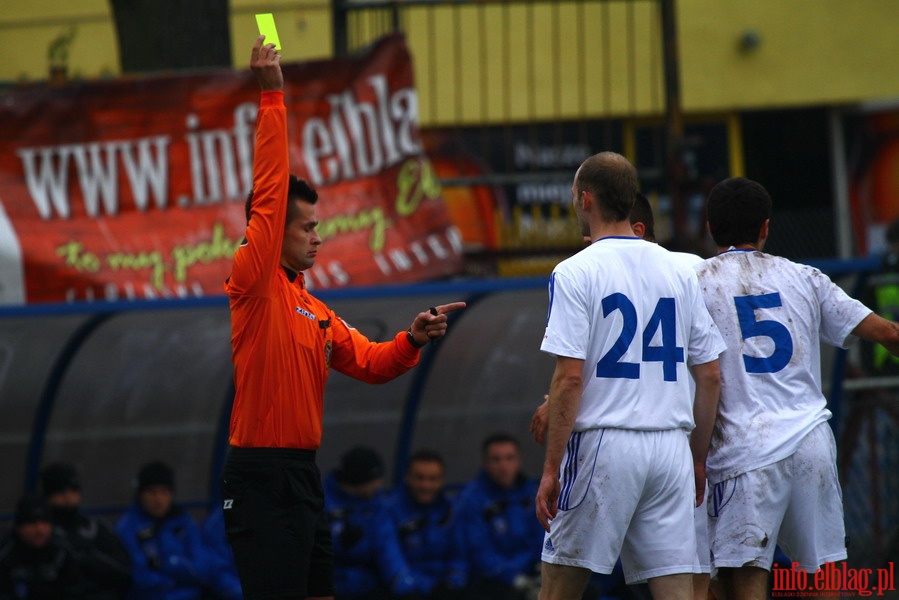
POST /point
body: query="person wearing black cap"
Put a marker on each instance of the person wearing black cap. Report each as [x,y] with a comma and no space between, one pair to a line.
[368,560]
[168,558]
[102,558]
[35,564]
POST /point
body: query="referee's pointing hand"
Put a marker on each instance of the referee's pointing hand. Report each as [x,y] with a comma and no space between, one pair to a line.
[430,325]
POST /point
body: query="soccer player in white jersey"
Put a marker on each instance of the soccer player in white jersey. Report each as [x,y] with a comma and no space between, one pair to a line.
[625,320]
[772,464]
[642,224]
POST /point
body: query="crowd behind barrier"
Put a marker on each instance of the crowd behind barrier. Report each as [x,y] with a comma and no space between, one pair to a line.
[419,540]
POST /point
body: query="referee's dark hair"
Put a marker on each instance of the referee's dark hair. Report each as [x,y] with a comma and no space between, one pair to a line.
[498,438]
[297,189]
[736,210]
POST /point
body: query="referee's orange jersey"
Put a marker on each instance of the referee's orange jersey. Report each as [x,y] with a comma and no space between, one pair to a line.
[284,340]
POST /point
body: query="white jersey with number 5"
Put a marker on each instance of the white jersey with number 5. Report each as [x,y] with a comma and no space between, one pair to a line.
[634,314]
[773,313]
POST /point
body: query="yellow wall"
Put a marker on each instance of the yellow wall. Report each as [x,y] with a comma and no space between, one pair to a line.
[27,29]
[503,67]
[811,52]
[472,82]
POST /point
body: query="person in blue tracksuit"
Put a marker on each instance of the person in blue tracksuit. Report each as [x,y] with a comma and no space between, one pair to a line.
[169,561]
[224,582]
[368,562]
[427,524]
[502,537]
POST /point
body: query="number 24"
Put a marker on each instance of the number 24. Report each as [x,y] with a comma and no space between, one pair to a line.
[669,353]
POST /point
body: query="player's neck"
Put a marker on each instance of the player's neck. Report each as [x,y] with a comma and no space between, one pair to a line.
[738,247]
[601,229]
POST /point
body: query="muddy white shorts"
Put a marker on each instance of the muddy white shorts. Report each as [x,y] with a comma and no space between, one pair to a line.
[628,493]
[796,503]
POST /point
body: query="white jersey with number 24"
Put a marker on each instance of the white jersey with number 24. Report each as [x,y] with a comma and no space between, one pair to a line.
[635,315]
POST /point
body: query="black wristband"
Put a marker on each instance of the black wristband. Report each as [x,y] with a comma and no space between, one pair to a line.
[412,341]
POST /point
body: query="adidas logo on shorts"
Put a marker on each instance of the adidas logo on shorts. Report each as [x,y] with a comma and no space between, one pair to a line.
[548,546]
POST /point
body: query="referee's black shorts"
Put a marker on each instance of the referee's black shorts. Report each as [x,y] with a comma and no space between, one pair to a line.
[275,522]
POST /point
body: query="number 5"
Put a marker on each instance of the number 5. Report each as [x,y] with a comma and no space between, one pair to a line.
[750,328]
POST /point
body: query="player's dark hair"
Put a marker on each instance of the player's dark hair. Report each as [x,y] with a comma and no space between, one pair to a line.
[613,181]
[641,212]
[297,189]
[426,455]
[736,210]
[498,438]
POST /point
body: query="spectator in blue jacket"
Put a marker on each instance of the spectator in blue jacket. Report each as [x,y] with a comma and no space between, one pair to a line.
[426,522]
[168,559]
[368,562]
[224,583]
[502,537]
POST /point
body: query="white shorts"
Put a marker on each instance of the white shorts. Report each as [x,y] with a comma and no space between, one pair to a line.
[795,502]
[628,493]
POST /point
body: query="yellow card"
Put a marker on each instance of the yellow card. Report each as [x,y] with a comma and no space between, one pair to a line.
[266,23]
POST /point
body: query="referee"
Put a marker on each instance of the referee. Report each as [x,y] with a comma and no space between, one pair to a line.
[284,343]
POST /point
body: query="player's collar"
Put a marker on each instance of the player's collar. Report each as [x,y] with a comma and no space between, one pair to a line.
[735,249]
[617,237]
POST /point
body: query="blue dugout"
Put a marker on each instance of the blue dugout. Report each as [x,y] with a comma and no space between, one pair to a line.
[109,386]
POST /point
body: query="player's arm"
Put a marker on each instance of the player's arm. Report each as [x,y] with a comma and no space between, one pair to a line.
[875,328]
[705,409]
[257,260]
[563,404]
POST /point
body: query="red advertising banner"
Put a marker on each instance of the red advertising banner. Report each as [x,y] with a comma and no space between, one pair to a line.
[136,188]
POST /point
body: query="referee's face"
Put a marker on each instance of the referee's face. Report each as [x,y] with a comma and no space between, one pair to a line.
[299,247]
[502,462]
